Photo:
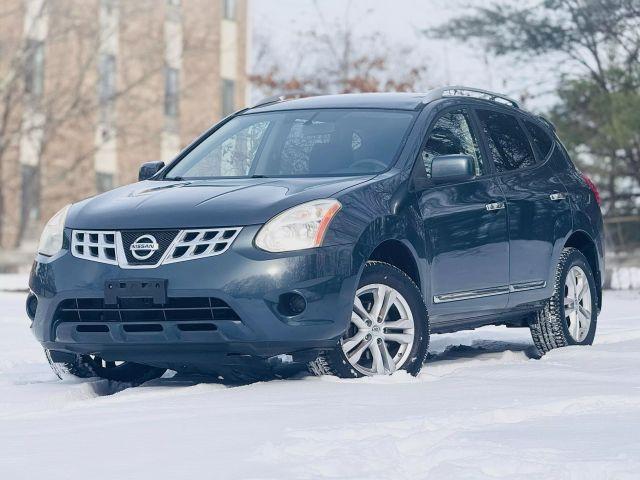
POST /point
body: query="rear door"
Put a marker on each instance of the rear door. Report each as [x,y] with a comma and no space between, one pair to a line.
[539,213]
[465,225]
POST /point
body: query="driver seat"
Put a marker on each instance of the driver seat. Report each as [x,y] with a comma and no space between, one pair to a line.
[329,157]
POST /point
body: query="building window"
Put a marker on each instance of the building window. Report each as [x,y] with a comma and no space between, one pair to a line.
[107,73]
[171,95]
[104,182]
[228,97]
[108,6]
[30,193]
[229,9]
[34,68]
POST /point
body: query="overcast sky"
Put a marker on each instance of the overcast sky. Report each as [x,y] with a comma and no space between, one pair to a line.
[402,21]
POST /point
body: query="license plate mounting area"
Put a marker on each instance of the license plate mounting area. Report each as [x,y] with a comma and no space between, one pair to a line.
[153,288]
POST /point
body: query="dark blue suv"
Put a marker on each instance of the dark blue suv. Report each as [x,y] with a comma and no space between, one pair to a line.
[335,231]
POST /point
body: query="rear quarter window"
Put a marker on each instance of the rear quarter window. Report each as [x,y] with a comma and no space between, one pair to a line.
[507,141]
[541,139]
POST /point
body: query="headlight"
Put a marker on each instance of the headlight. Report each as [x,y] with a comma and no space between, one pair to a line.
[299,227]
[53,233]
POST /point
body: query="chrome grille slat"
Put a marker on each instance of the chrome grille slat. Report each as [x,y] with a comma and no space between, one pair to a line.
[192,244]
[83,245]
[107,246]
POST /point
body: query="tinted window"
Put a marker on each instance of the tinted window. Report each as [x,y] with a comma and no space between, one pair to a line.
[541,139]
[229,9]
[508,143]
[171,87]
[452,135]
[228,97]
[299,143]
[107,82]
[34,68]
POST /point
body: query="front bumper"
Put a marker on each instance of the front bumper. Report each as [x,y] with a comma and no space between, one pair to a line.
[249,281]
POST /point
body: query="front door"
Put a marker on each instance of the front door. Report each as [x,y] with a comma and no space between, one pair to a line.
[465,225]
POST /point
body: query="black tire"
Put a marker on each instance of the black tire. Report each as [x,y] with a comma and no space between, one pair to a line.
[86,366]
[549,328]
[334,361]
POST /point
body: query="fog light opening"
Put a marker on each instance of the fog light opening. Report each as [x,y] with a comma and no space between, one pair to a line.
[32,306]
[292,304]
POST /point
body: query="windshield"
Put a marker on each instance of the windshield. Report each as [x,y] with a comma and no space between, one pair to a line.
[298,143]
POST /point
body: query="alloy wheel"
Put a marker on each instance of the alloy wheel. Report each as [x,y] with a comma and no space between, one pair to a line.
[381,333]
[577,304]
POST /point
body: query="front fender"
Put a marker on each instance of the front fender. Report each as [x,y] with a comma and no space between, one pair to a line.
[405,229]
[377,212]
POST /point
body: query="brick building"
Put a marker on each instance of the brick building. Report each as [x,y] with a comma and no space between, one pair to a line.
[98,87]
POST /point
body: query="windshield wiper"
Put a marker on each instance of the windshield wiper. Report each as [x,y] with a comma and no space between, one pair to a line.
[258,176]
[174,179]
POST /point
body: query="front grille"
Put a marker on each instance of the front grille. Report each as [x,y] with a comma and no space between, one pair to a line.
[97,246]
[143,310]
[151,248]
[162,238]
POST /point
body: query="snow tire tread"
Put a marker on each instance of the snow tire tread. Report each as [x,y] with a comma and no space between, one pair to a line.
[546,328]
[332,362]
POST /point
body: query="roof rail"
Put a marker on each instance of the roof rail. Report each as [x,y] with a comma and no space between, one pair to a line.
[460,91]
[285,96]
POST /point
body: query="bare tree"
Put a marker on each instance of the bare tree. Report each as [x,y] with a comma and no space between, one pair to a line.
[64,111]
[334,56]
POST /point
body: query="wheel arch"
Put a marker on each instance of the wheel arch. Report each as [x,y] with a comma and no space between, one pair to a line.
[385,224]
[398,242]
[581,241]
[400,255]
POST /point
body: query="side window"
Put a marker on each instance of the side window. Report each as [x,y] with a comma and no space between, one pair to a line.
[508,143]
[541,139]
[452,135]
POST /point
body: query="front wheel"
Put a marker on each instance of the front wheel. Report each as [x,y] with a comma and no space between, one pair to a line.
[90,366]
[388,331]
[569,316]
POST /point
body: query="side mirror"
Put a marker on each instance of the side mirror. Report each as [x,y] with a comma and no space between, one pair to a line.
[149,169]
[452,168]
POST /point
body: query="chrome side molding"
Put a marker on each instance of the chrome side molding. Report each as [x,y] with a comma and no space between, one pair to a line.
[488,292]
[468,295]
[522,287]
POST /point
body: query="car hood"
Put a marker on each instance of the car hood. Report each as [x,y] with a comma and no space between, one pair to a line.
[201,203]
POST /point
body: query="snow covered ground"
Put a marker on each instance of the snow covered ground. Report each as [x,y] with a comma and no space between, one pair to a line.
[480,409]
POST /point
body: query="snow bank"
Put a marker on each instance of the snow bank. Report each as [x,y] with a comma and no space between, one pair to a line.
[625,278]
[481,409]
[15,282]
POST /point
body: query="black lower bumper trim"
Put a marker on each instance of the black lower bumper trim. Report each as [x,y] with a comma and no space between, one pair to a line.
[203,358]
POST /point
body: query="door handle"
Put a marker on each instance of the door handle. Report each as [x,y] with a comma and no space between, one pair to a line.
[492,207]
[558,196]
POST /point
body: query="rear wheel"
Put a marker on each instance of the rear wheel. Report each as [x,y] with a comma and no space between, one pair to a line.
[570,315]
[89,366]
[388,331]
